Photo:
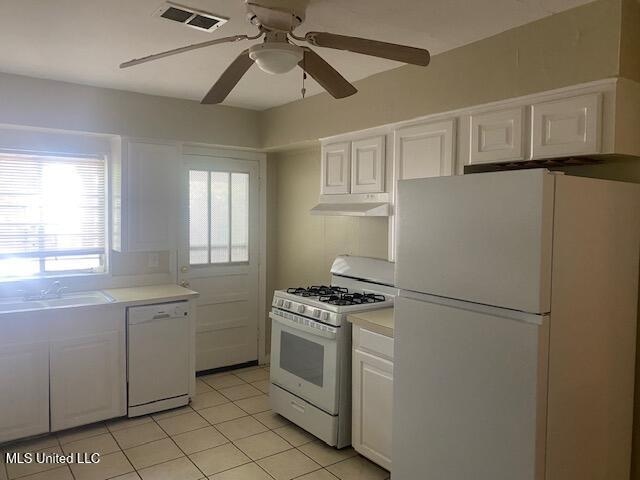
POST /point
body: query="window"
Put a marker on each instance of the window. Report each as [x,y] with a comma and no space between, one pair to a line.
[218,217]
[52,215]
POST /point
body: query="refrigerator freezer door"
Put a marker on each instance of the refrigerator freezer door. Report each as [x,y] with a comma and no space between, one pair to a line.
[484,238]
[469,394]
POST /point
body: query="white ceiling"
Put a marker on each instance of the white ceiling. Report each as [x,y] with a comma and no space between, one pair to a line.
[84,41]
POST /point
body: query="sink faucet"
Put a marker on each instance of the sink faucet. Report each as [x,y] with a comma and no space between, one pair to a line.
[56,289]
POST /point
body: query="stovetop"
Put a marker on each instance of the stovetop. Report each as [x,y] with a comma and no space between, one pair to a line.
[333,295]
[331,304]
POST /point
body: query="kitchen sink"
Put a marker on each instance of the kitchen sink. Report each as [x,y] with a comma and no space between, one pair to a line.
[67,300]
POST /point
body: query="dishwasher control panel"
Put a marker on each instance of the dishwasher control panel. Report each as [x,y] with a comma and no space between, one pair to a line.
[147,313]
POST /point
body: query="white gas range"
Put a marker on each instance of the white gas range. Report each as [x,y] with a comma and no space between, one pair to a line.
[311,345]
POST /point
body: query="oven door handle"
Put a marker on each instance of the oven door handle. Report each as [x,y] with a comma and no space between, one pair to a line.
[298,326]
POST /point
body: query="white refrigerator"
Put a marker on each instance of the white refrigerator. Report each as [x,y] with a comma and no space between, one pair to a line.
[515,327]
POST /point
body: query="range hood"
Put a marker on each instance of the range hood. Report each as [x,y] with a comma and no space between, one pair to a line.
[354,209]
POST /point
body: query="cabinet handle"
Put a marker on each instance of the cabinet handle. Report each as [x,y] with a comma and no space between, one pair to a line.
[297,406]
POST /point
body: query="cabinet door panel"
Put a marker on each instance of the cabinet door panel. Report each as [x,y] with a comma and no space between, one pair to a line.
[571,126]
[497,136]
[24,395]
[367,165]
[87,380]
[425,150]
[420,151]
[152,199]
[336,166]
[372,407]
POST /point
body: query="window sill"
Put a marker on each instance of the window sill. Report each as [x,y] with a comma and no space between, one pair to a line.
[56,276]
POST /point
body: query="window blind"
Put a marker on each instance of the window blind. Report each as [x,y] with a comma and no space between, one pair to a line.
[51,208]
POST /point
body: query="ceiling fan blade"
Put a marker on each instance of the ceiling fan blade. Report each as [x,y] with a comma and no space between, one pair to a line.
[391,51]
[175,51]
[327,76]
[228,79]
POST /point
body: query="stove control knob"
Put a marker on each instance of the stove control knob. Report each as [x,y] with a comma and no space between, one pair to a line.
[325,315]
[300,308]
[287,304]
[279,304]
[316,313]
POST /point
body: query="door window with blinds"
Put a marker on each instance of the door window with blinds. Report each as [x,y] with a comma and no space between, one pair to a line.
[218,217]
[52,215]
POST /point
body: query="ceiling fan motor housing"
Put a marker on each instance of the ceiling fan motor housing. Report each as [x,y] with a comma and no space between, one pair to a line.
[278,15]
[276,57]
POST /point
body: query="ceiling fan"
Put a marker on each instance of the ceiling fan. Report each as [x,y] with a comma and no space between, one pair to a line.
[276,20]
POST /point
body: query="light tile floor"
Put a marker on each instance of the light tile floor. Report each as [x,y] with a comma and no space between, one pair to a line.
[227,433]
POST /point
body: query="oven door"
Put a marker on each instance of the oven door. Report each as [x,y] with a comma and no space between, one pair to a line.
[304,359]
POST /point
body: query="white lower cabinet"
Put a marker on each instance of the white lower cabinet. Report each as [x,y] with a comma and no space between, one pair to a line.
[372,396]
[61,368]
[24,390]
[87,379]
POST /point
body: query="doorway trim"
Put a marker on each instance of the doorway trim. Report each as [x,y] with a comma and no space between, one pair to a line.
[261,158]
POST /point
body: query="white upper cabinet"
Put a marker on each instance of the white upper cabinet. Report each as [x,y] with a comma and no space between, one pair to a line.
[145,196]
[425,150]
[335,168]
[497,136]
[569,126]
[368,165]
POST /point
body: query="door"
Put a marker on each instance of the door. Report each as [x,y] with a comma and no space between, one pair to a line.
[421,151]
[472,387]
[152,194]
[368,165]
[483,238]
[24,396]
[570,126]
[87,379]
[219,257]
[304,360]
[335,168]
[372,407]
[158,353]
[497,136]
[425,150]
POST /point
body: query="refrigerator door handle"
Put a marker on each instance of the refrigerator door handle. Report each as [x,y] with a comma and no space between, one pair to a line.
[533,318]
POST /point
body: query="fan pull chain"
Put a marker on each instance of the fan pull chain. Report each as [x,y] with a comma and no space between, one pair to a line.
[304,90]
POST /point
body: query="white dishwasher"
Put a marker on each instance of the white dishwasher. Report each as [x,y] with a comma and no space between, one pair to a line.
[158,357]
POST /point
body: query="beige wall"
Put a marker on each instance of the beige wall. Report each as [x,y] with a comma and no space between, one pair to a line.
[630,40]
[34,102]
[575,46]
[305,244]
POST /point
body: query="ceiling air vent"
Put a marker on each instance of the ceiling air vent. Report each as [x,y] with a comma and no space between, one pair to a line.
[207,22]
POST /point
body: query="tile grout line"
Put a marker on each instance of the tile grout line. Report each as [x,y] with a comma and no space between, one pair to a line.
[180,448]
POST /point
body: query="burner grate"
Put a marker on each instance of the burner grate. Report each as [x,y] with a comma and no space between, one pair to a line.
[317,291]
[346,299]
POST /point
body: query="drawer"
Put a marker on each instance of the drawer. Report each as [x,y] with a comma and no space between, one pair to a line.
[305,415]
[372,342]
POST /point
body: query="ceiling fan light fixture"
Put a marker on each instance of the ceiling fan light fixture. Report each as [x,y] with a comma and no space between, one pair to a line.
[276,57]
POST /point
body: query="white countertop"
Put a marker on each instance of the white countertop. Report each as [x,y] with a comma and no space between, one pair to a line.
[150,294]
[379,321]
